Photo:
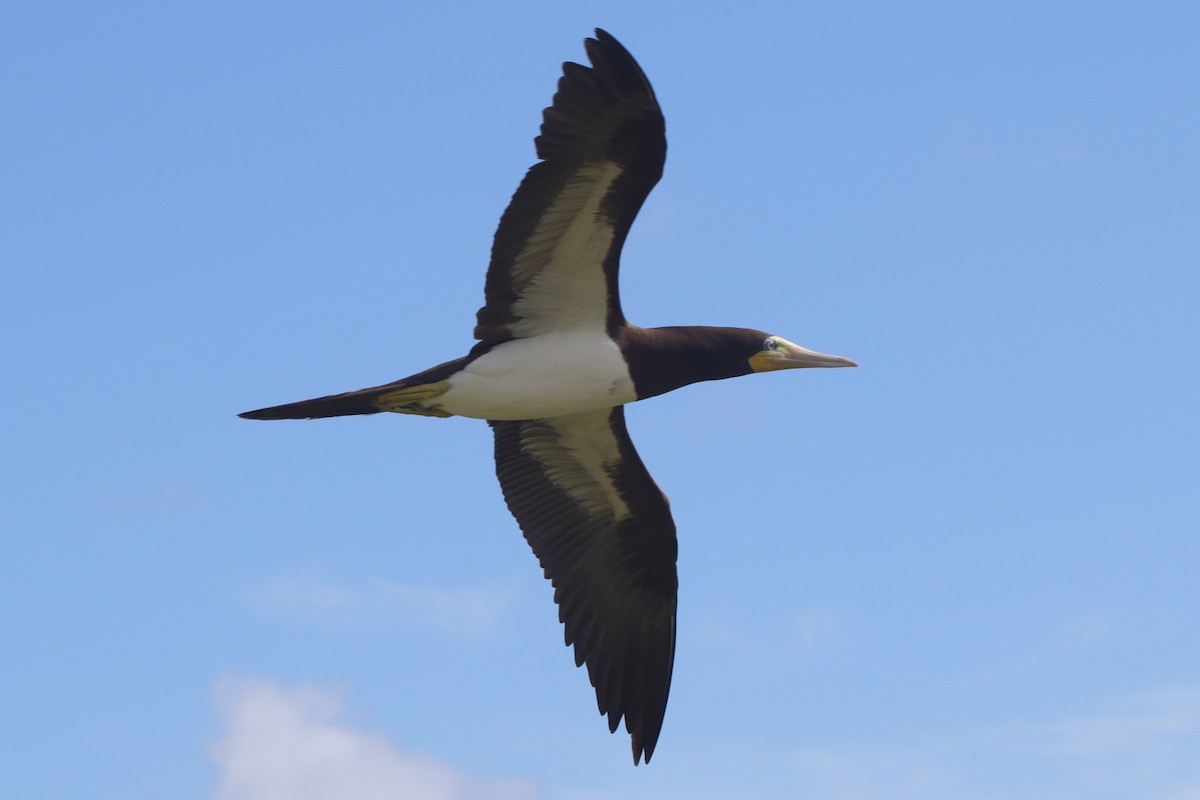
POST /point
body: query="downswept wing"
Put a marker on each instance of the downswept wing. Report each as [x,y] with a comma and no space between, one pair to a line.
[557,249]
[603,532]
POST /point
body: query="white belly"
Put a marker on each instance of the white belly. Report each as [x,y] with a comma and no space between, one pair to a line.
[545,376]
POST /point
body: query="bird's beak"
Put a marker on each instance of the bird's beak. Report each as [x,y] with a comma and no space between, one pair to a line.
[789,355]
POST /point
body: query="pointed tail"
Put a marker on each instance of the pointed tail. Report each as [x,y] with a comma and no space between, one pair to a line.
[334,405]
[411,395]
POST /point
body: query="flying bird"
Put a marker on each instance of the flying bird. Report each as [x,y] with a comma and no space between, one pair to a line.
[554,367]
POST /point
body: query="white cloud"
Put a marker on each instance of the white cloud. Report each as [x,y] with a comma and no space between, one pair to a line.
[293,744]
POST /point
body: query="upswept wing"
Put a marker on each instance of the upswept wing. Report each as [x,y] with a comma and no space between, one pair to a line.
[603,532]
[557,249]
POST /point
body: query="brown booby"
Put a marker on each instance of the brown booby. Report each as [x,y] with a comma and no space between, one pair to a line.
[555,365]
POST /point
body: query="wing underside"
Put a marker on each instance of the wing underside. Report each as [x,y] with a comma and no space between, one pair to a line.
[556,252]
[602,531]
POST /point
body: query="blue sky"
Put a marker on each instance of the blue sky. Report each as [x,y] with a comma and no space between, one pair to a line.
[965,570]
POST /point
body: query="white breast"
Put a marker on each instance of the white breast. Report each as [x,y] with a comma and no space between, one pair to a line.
[550,375]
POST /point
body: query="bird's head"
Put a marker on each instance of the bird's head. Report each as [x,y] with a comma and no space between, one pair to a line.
[776,353]
[664,359]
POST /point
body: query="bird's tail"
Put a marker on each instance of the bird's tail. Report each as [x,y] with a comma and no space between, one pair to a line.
[411,395]
[398,397]
[363,401]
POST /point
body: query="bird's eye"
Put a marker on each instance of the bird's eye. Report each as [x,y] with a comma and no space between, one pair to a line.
[770,344]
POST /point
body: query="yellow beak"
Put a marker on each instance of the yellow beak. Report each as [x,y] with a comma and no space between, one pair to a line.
[789,355]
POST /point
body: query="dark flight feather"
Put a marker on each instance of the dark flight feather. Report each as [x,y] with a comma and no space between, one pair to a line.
[603,533]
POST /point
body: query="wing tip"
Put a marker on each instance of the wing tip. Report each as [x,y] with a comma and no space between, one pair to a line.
[643,750]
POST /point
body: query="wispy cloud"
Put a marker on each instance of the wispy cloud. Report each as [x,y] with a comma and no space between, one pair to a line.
[1153,725]
[1072,638]
[294,744]
[375,601]
[1143,747]
[149,498]
[1042,152]
[808,635]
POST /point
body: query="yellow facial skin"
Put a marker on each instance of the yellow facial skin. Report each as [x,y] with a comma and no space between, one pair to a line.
[778,353]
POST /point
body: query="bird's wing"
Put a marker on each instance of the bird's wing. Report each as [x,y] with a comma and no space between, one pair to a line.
[558,246]
[603,532]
